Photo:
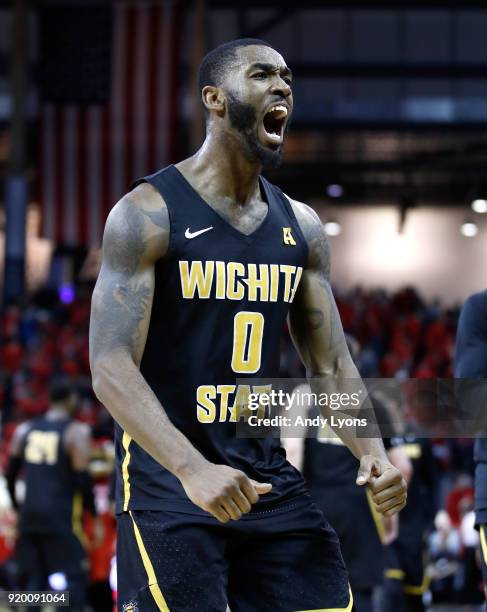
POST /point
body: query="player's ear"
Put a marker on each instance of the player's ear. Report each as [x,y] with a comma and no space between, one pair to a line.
[213,99]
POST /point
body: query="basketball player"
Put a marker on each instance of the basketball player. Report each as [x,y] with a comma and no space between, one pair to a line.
[471,366]
[406,579]
[202,262]
[363,532]
[330,471]
[53,450]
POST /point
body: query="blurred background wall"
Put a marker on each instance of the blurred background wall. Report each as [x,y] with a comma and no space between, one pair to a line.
[389,138]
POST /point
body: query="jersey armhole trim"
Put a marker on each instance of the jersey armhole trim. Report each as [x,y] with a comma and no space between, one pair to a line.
[290,212]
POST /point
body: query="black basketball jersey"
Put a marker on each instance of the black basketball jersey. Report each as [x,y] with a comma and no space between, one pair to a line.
[51,504]
[330,470]
[328,462]
[420,510]
[220,302]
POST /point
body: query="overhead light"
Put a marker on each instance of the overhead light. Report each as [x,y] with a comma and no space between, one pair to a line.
[334,190]
[469,229]
[333,228]
[479,206]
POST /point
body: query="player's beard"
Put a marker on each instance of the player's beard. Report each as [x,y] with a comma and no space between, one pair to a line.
[243,117]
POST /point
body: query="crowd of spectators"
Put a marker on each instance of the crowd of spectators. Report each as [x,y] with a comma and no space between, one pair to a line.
[45,336]
[400,336]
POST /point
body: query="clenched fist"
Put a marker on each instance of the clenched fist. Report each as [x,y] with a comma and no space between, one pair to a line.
[222,491]
[389,489]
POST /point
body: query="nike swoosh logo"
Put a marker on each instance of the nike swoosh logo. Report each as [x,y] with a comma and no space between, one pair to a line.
[189,235]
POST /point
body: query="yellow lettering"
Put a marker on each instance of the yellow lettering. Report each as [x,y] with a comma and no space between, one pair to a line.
[261,410]
[193,277]
[258,283]
[206,411]
[288,275]
[224,391]
[274,282]
[42,447]
[235,289]
[248,331]
[240,406]
[287,236]
[297,278]
[220,280]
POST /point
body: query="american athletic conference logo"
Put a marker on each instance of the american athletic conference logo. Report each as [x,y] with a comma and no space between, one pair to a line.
[131,606]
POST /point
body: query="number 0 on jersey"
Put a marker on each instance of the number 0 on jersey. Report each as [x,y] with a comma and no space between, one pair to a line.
[248,332]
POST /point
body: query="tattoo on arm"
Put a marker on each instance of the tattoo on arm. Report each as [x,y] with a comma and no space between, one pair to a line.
[323,315]
[123,294]
[123,242]
[315,319]
[120,313]
[318,247]
[159,218]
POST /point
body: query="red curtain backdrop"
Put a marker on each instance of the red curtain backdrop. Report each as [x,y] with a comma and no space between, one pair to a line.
[91,152]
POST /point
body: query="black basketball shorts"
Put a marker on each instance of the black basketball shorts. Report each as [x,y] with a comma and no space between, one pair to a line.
[287,559]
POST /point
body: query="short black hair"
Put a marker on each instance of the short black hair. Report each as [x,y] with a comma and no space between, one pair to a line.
[60,389]
[215,63]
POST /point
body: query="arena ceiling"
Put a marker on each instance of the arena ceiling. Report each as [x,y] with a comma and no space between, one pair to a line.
[391,97]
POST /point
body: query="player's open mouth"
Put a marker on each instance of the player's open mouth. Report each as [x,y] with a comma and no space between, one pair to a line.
[273,124]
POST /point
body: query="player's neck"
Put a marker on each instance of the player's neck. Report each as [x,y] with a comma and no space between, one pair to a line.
[222,170]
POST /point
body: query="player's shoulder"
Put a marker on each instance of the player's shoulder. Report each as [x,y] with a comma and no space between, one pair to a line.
[19,436]
[142,201]
[139,221]
[477,301]
[314,233]
[77,431]
[307,218]
[474,308]
[80,428]
[22,429]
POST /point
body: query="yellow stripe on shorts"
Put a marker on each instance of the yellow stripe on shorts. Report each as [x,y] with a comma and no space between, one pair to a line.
[483,544]
[379,525]
[419,589]
[151,576]
[395,574]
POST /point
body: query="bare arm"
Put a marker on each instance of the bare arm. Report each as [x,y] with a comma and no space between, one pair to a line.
[136,236]
[77,442]
[318,335]
[15,460]
[18,437]
[399,459]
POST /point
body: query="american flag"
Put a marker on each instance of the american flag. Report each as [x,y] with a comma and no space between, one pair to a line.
[95,140]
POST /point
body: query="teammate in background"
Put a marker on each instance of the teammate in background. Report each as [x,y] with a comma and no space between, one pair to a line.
[330,474]
[406,557]
[202,262]
[362,531]
[53,451]
[471,367]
